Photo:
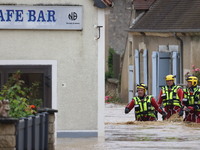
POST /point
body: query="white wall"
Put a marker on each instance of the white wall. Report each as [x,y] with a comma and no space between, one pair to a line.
[101,74]
[76,54]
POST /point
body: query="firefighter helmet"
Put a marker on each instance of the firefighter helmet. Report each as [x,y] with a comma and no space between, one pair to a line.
[142,86]
[170,77]
[192,79]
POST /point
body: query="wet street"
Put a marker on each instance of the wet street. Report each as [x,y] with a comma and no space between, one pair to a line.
[122,132]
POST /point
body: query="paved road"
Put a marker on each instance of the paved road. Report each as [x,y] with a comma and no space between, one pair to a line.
[123,133]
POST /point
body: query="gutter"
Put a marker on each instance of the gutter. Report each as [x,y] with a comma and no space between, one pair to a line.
[164,30]
[181,56]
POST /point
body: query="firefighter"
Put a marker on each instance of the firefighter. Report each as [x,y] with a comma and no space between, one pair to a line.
[170,97]
[191,101]
[145,105]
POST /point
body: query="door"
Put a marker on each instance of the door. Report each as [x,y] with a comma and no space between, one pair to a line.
[31,74]
[163,63]
[176,66]
[130,83]
[145,66]
[137,66]
[164,67]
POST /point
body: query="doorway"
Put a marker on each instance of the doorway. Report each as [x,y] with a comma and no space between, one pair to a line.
[164,63]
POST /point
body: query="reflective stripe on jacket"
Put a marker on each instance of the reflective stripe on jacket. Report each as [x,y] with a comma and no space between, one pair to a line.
[144,107]
[192,97]
[172,97]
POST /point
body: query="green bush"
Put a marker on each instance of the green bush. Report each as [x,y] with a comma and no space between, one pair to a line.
[109,73]
[23,100]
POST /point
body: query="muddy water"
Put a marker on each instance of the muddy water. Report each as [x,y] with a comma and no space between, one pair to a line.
[168,135]
[122,132]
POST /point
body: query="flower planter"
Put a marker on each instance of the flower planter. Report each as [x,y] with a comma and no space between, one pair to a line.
[30,133]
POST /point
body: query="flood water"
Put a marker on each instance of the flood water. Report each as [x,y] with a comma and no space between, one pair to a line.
[122,132]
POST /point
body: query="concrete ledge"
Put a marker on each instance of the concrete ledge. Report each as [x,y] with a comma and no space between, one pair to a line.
[77,134]
[49,110]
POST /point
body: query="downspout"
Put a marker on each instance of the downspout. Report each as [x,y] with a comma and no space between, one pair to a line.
[181,56]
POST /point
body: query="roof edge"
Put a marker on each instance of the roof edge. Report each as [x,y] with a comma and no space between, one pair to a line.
[164,31]
[165,34]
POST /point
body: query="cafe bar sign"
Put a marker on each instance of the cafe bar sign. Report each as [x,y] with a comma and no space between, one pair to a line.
[41,17]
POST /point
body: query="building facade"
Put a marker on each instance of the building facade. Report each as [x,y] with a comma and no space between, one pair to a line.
[163,39]
[66,57]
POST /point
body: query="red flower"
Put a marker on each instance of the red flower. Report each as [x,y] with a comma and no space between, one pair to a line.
[32,106]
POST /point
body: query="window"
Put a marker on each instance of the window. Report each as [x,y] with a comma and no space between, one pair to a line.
[30,74]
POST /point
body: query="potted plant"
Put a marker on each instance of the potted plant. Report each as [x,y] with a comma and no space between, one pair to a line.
[19,117]
[23,100]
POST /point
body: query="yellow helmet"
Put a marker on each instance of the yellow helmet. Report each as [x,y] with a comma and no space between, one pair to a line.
[142,86]
[170,77]
[192,79]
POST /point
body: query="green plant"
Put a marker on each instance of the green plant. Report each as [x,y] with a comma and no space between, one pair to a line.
[23,100]
[109,73]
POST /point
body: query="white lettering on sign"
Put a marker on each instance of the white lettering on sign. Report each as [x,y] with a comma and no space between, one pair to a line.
[41,17]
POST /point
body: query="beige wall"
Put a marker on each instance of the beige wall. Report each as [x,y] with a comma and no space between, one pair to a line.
[124,75]
[76,56]
[191,55]
[195,51]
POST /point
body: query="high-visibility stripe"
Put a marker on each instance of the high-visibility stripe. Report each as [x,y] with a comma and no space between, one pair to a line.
[145,107]
[171,96]
[192,97]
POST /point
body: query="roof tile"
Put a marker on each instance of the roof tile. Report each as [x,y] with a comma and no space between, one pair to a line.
[171,15]
[142,4]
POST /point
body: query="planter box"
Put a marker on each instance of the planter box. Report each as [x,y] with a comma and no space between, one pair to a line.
[31,133]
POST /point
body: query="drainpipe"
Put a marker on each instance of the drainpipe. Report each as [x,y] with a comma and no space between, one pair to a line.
[181,57]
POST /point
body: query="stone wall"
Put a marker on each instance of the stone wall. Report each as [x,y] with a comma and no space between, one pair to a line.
[112,88]
[119,18]
[51,135]
[8,132]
